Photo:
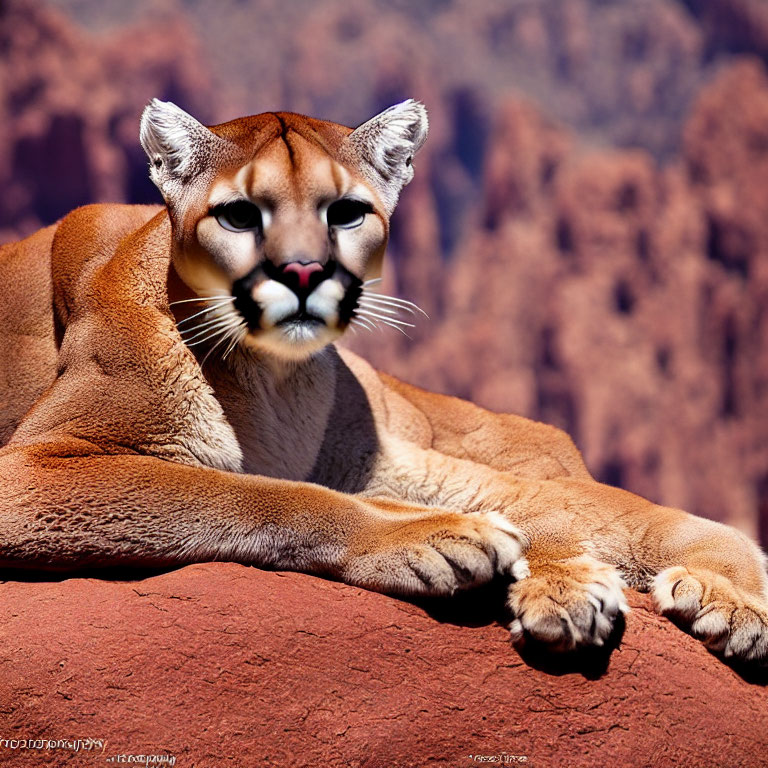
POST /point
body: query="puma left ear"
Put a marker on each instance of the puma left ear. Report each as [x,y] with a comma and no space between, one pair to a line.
[387,144]
[178,146]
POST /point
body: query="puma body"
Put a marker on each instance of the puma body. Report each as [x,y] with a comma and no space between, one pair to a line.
[171,393]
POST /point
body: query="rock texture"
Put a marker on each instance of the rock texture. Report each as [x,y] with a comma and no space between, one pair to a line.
[218,664]
[587,228]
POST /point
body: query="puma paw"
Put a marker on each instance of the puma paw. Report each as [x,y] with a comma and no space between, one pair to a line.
[439,554]
[715,610]
[567,604]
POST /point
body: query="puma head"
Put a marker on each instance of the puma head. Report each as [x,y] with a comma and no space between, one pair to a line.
[282,217]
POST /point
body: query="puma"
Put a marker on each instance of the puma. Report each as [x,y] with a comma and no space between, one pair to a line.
[171,393]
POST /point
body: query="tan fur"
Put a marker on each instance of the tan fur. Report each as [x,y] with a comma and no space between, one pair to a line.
[127,444]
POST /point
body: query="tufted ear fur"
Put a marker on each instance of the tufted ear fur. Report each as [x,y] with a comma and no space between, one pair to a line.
[387,143]
[178,146]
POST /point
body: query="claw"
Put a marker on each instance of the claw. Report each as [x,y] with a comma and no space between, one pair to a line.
[573,603]
[725,618]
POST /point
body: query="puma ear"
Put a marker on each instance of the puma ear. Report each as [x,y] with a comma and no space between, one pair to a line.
[178,146]
[387,144]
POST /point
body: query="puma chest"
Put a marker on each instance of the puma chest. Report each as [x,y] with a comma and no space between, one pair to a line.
[279,422]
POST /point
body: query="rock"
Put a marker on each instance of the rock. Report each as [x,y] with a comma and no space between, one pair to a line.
[732,25]
[621,300]
[220,664]
[70,108]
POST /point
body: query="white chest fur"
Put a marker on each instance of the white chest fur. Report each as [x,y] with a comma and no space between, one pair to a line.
[278,411]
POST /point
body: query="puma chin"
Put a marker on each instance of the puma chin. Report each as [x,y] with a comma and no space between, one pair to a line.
[275,249]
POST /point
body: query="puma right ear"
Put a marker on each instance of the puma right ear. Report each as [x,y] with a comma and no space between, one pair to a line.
[387,144]
[178,146]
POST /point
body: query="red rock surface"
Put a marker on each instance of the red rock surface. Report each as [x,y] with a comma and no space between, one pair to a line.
[223,665]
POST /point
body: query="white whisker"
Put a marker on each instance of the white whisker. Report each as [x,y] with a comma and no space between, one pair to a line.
[238,334]
[359,316]
[386,303]
[373,282]
[224,337]
[386,310]
[212,321]
[201,312]
[361,324]
[397,328]
[211,325]
[207,338]
[211,333]
[394,300]
[226,313]
[204,298]
[367,313]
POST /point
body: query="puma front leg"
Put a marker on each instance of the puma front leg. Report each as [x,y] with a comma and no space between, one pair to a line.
[715,585]
[586,540]
[708,576]
[65,508]
[570,598]
[562,594]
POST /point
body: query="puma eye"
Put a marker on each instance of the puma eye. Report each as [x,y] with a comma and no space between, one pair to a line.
[239,216]
[347,214]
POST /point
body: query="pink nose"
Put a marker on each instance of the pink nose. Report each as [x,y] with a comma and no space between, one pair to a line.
[303,271]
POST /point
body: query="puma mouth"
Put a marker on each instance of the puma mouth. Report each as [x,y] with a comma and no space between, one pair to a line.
[306,308]
[272,317]
[288,325]
[298,292]
[301,318]
[273,306]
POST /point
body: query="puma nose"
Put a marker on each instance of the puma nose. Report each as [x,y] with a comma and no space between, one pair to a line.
[303,271]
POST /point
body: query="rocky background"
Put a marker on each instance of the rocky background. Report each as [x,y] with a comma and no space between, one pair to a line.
[588,226]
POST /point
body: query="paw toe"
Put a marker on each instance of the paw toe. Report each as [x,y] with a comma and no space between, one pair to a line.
[521,569]
[749,635]
[712,626]
[567,605]
[675,591]
[726,619]
[507,542]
